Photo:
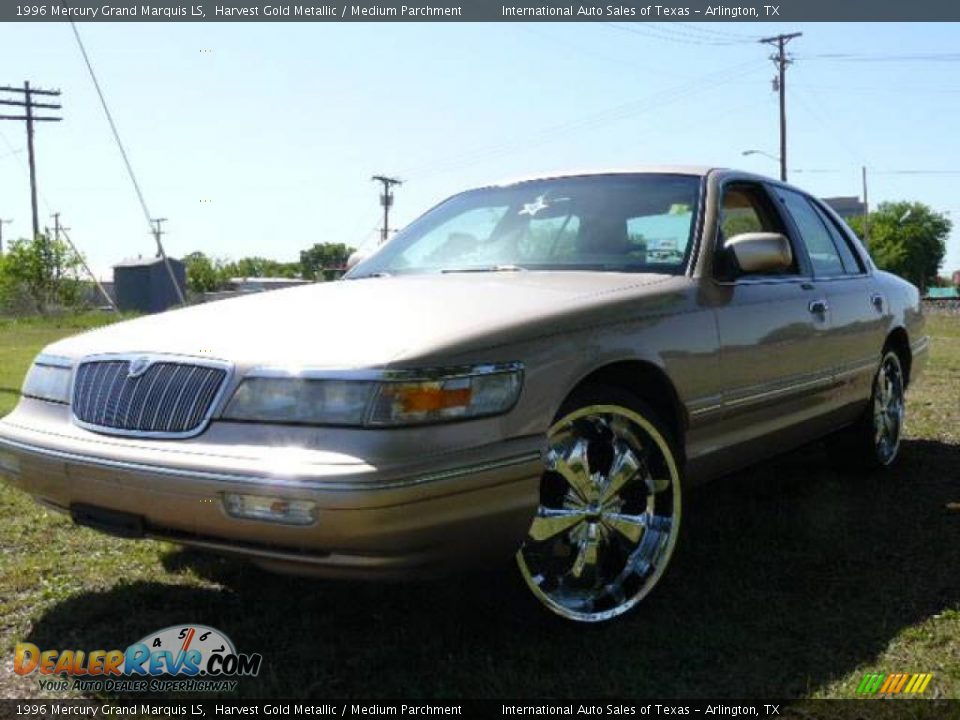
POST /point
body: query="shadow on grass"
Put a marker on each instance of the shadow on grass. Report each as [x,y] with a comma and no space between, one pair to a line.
[790,576]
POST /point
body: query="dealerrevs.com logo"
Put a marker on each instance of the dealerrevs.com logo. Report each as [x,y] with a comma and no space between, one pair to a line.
[180,657]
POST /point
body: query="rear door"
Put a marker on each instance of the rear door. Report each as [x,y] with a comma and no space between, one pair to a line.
[773,365]
[858,313]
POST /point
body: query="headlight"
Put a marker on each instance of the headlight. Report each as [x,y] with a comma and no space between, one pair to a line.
[49,379]
[383,399]
[300,400]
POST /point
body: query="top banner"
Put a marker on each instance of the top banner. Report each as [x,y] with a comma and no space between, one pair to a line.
[484,11]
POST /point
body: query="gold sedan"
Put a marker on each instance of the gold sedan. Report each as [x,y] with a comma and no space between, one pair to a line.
[533,370]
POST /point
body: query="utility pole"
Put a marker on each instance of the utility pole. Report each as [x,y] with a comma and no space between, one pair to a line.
[158,231]
[161,253]
[2,223]
[57,229]
[386,199]
[781,60]
[83,261]
[866,209]
[29,105]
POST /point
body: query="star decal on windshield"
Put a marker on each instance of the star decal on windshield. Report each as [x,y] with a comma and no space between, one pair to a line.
[533,208]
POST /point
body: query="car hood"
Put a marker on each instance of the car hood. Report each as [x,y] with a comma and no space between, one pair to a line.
[363,323]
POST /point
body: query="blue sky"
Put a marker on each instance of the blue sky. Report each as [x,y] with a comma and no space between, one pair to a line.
[259,139]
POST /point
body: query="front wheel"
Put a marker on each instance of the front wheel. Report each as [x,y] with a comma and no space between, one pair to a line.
[609,511]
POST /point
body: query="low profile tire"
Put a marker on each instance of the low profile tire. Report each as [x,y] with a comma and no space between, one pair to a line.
[609,512]
[874,442]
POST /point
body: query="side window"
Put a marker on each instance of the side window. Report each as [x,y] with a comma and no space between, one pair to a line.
[851,261]
[748,208]
[824,255]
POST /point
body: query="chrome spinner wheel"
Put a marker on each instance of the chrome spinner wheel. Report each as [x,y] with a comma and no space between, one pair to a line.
[888,408]
[608,517]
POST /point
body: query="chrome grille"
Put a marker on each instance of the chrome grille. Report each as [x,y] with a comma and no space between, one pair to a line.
[168,398]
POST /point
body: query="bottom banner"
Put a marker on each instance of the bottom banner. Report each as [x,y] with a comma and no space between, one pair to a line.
[506,708]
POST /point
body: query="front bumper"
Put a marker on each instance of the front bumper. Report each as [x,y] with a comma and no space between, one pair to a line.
[443,510]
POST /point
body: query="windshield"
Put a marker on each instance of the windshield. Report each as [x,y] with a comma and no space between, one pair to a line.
[627,223]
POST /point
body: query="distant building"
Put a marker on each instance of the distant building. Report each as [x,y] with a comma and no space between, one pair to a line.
[956,277]
[846,206]
[143,284]
[238,286]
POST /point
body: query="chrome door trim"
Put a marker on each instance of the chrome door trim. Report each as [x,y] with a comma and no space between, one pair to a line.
[778,391]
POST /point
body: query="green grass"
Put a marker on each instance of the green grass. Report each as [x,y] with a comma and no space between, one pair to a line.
[22,339]
[794,580]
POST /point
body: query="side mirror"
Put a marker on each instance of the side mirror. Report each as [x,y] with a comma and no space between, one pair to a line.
[356,257]
[761,252]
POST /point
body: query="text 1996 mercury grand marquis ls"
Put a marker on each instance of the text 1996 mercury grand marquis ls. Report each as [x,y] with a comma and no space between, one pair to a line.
[532,369]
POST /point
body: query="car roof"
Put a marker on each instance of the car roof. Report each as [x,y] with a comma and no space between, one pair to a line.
[693,170]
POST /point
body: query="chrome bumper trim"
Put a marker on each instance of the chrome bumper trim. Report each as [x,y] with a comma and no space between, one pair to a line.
[246,549]
[332,485]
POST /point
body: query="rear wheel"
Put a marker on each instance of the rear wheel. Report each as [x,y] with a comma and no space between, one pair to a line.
[874,442]
[609,512]
[887,409]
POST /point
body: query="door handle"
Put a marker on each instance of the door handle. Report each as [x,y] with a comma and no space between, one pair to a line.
[818,307]
[877,301]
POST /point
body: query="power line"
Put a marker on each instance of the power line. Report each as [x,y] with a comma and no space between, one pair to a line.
[83,261]
[59,230]
[66,236]
[126,161]
[883,172]
[812,108]
[11,153]
[589,122]
[662,32]
[881,57]
[607,59]
[719,33]
[879,88]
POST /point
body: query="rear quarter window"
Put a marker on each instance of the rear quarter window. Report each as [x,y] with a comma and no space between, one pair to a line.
[821,248]
[842,238]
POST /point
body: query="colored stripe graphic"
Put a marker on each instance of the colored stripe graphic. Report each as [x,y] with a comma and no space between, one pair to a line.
[871,683]
[894,683]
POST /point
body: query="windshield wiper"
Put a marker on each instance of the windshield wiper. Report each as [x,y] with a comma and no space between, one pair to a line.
[486,269]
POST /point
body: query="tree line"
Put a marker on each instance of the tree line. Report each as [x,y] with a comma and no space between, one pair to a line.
[908,239]
[44,274]
[319,263]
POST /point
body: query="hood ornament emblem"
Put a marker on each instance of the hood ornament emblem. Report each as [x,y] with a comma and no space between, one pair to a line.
[138,366]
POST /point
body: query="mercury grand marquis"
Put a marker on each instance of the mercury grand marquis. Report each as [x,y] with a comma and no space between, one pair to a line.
[535,370]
